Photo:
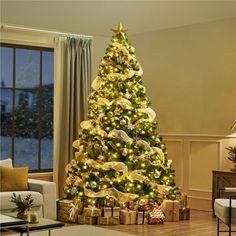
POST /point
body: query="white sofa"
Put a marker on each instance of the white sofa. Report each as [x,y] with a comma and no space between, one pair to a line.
[43,193]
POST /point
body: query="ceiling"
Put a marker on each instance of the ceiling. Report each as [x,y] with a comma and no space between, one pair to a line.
[96,18]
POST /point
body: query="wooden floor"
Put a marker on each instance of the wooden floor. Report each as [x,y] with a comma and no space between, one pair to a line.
[201,223]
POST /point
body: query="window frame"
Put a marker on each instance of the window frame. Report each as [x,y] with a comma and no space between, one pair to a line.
[40,90]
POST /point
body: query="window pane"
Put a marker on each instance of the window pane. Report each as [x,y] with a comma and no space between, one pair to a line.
[47,153]
[48,68]
[27,68]
[6,145]
[6,108]
[47,108]
[26,149]
[26,109]
[6,62]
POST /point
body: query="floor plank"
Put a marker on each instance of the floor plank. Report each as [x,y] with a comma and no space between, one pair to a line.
[201,223]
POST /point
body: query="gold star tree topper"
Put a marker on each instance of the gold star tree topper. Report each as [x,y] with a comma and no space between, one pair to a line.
[120,29]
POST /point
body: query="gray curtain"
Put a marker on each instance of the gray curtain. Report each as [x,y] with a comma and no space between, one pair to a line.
[73,72]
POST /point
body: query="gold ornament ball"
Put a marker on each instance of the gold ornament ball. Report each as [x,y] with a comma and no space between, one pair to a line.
[126,70]
[110,113]
[143,201]
[123,122]
[118,144]
[108,128]
[125,152]
[130,151]
[96,146]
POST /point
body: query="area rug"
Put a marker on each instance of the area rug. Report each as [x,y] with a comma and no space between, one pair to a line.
[80,230]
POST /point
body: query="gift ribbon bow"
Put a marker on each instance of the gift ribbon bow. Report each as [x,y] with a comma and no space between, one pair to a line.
[74,208]
[92,209]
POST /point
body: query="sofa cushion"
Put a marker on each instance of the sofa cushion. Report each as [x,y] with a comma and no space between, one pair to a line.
[6,163]
[221,207]
[14,179]
[5,197]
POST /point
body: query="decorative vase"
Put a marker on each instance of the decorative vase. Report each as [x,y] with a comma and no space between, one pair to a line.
[22,215]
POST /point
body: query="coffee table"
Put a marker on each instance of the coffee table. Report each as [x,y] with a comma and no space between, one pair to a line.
[25,227]
[9,221]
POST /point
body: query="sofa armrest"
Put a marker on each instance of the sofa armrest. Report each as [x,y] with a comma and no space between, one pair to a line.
[48,190]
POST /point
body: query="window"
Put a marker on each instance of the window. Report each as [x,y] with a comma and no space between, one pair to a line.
[26,99]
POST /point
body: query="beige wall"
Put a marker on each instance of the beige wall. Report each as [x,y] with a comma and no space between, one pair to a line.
[99,46]
[190,76]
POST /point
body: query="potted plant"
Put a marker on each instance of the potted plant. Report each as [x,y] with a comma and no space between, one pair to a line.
[232,156]
[22,205]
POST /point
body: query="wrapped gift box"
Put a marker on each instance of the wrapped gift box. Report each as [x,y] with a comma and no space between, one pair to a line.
[92,211]
[183,200]
[184,213]
[116,211]
[127,217]
[107,211]
[68,210]
[114,220]
[156,216]
[81,219]
[103,220]
[142,217]
[63,209]
[91,220]
[171,210]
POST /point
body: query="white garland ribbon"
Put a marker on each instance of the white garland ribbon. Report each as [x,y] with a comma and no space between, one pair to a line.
[150,112]
[120,134]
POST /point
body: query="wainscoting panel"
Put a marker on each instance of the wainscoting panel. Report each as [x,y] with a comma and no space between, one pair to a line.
[194,157]
[175,153]
[204,157]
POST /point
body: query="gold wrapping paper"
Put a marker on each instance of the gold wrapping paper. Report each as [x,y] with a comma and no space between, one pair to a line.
[92,211]
[114,220]
[127,217]
[81,219]
[68,210]
[142,217]
[63,216]
[116,211]
[107,211]
[171,210]
[103,220]
[91,220]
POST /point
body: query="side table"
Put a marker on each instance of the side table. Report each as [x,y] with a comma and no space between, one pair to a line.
[220,180]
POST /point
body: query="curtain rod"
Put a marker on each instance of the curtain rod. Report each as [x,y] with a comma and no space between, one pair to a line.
[20,28]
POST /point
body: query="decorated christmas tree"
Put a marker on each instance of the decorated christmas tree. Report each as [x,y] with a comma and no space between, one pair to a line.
[119,154]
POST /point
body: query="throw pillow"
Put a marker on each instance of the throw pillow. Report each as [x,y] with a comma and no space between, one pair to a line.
[14,179]
[6,163]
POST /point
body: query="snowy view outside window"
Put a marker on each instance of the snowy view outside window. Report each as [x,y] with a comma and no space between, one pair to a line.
[26,99]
